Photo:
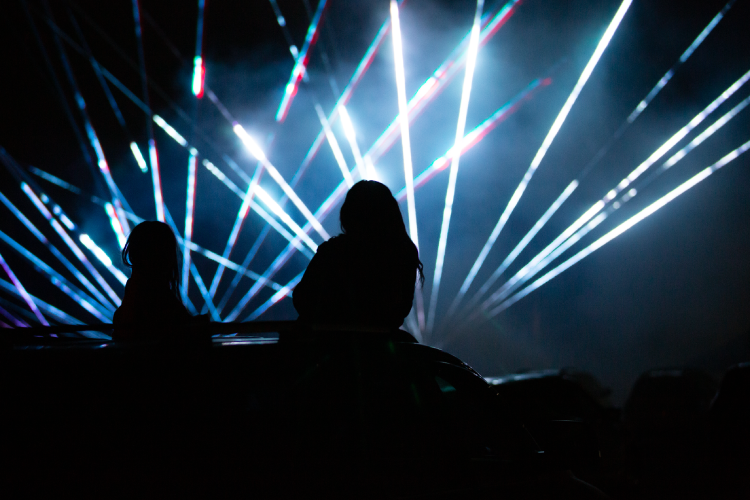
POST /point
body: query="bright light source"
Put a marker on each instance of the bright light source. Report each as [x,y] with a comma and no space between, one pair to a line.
[198,75]
[115,223]
[249,142]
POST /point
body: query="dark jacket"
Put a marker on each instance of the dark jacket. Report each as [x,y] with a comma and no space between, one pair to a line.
[358,281]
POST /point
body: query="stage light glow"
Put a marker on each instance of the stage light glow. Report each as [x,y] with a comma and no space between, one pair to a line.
[684,57]
[156,179]
[198,75]
[300,64]
[337,154]
[351,137]
[22,292]
[258,153]
[557,124]
[456,157]
[139,157]
[170,131]
[651,209]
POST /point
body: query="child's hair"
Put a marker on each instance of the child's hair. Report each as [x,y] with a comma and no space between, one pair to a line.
[152,247]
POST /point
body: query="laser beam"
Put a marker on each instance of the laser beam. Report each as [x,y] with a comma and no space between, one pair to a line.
[556,125]
[458,143]
[651,209]
[300,64]
[22,292]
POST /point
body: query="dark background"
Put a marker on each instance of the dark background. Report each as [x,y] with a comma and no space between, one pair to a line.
[672,291]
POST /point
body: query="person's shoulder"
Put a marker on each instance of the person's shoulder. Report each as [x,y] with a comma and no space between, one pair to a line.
[334,244]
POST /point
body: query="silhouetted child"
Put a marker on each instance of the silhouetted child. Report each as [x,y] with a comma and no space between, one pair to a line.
[365,276]
[151,306]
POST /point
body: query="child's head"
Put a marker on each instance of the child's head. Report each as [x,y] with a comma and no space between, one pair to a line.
[152,248]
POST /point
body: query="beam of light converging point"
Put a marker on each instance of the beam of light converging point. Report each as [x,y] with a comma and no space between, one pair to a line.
[519,248]
[139,157]
[22,292]
[475,136]
[441,77]
[684,57]
[457,147]
[562,115]
[576,231]
[71,244]
[300,65]
[199,70]
[106,307]
[337,154]
[68,288]
[258,153]
[47,308]
[275,298]
[103,257]
[351,137]
[661,202]
[281,214]
[189,208]
[155,177]
[403,111]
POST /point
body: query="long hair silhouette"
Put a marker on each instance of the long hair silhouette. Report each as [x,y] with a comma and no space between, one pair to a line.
[152,248]
[370,211]
[365,276]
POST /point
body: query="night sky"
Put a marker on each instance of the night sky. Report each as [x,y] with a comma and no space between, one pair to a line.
[672,291]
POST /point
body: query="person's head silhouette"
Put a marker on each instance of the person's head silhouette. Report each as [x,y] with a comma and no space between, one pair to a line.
[370,211]
[151,250]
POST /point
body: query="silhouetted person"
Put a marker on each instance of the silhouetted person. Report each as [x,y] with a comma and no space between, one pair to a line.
[151,305]
[365,276]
